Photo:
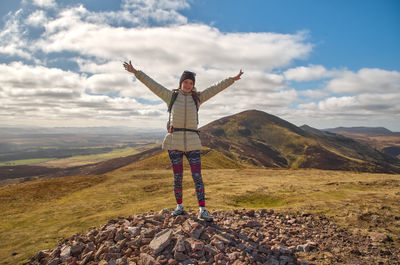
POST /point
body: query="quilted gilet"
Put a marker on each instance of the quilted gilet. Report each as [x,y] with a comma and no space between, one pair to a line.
[183,112]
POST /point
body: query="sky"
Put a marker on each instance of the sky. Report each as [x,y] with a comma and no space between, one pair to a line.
[321,63]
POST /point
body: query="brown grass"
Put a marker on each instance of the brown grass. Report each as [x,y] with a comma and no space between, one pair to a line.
[37,214]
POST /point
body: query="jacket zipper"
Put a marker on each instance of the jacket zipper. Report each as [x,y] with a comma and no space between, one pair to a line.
[184,126]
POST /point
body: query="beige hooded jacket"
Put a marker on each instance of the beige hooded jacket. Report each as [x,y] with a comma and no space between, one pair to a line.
[183,112]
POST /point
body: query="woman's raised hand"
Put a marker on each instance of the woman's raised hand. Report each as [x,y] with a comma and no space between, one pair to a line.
[129,67]
[237,77]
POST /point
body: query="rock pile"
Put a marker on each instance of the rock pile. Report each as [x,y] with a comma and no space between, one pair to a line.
[236,237]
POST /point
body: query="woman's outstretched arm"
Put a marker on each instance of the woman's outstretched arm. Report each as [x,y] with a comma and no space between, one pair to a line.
[237,77]
[129,67]
[155,87]
[218,87]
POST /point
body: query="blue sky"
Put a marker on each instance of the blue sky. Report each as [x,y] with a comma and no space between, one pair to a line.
[321,63]
[352,34]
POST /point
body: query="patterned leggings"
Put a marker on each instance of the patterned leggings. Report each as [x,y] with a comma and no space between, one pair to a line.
[193,157]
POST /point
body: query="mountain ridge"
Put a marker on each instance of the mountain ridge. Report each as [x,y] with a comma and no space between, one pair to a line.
[362,129]
[380,138]
[265,140]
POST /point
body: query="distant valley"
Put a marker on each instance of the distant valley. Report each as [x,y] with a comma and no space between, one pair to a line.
[19,145]
[31,153]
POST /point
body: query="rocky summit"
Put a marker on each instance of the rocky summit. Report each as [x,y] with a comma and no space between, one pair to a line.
[235,237]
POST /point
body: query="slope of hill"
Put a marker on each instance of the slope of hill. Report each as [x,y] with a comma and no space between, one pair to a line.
[262,139]
[380,138]
[210,159]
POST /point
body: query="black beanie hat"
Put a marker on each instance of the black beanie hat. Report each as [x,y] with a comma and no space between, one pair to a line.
[187,75]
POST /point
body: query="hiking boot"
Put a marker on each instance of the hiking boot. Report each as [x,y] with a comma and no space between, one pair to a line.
[205,215]
[177,211]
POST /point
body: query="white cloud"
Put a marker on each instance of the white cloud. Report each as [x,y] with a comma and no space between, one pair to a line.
[366,80]
[312,72]
[235,99]
[303,73]
[23,81]
[42,3]
[190,45]
[334,104]
[359,110]
[379,103]
[368,97]
[37,19]
[156,4]
[213,55]
[160,41]
[160,11]
[107,83]
[314,93]
[57,97]
[96,67]
[143,13]
[12,37]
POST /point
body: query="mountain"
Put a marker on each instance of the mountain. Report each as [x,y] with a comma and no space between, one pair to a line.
[362,130]
[380,138]
[261,139]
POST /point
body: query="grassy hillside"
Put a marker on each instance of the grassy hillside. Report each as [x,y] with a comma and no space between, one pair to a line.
[384,140]
[37,214]
[210,159]
[261,139]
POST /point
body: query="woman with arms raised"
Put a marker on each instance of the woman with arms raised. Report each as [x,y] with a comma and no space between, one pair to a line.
[183,136]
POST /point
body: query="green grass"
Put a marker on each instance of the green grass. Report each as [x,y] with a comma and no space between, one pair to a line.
[37,214]
[25,162]
[298,162]
[88,159]
[210,159]
[255,200]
